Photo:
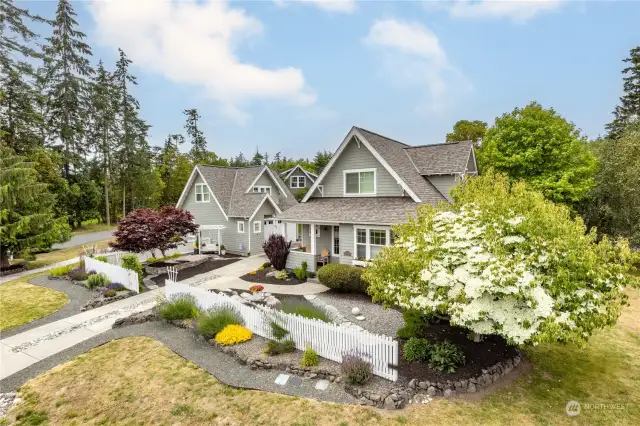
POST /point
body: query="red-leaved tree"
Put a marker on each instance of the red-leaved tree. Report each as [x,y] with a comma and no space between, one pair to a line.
[148,230]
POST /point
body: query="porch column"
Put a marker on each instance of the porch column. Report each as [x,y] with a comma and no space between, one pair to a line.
[283,225]
[219,241]
[313,239]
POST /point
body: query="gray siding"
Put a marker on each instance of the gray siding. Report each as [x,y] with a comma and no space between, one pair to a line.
[299,172]
[203,213]
[346,242]
[352,158]
[234,241]
[265,180]
[471,167]
[444,184]
[258,238]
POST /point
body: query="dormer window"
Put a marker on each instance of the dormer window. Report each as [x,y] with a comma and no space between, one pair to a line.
[202,193]
[298,181]
[360,182]
[261,188]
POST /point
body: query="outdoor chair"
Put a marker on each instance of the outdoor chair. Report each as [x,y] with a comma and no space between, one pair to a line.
[323,259]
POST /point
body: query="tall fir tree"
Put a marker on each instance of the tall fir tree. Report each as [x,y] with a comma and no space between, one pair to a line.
[628,111]
[68,85]
[198,141]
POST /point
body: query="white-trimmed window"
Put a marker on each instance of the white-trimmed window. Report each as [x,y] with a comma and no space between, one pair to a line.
[360,182]
[298,181]
[257,226]
[241,227]
[370,241]
[202,193]
[262,188]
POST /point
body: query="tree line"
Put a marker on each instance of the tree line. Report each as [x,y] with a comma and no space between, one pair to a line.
[74,131]
[598,179]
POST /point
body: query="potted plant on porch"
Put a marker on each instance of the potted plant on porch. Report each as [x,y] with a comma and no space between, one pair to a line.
[223,250]
[196,245]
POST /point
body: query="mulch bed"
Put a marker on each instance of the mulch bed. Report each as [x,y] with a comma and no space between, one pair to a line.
[201,268]
[261,278]
[162,264]
[13,269]
[479,355]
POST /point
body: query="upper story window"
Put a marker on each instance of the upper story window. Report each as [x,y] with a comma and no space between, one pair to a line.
[298,181]
[202,193]
[262,188]
[360,182]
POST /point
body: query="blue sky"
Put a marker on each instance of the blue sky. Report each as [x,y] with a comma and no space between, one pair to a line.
[295,76]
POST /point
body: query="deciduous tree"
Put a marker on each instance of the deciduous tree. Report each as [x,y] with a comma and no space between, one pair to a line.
[465,130]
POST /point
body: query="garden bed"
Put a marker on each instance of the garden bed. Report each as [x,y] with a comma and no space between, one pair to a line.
[191,271]
[165,263]
[13,269]
[260,277]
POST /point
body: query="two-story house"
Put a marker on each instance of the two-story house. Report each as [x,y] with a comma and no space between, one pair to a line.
[235,206]
[371,183]
[298,178]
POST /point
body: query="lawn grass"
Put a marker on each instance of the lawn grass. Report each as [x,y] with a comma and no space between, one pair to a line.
[149,384]
[55,256]
[21,302]
[92,226]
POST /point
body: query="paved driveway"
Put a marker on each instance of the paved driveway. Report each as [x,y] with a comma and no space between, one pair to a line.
[88,238]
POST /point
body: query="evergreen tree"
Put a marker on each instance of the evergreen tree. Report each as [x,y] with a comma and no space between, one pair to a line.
[257,159]
[26,216]
[198,141]
[21,122]
[321,160]
[628,111]
[67,86]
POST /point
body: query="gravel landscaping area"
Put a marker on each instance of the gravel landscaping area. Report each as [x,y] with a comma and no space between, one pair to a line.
[78,297]
[260,277]
[377,319]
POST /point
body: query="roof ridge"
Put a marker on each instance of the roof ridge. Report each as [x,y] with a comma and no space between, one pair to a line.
[438,144]
[231,167]
[382,136]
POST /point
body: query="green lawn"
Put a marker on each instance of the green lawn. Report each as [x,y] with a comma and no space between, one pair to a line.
[54,256]
[93,389]
[89,226]
[21,302]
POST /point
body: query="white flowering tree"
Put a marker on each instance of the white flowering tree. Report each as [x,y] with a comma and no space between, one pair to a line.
[503,260]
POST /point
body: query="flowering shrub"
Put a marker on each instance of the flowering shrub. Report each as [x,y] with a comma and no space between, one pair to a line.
[78,274]
[253,272]
[256,288]
[213,321]
[357,370]
[233,334]
[504,261]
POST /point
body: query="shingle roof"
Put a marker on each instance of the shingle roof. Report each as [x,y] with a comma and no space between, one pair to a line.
[370,210]
[394,153]
[444,158]
[229,185]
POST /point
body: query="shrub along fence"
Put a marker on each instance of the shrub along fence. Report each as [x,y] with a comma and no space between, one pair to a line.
[116,274]
[330,341]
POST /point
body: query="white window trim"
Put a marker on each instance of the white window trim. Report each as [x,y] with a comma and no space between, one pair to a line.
[204,191]
[241,231]
[298,180]
[317,231]
[368,243]
[344,182]
[333,238]
[259,223]
[257,189]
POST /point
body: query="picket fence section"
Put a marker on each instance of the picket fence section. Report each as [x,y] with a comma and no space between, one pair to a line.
[330,341]
[116,274]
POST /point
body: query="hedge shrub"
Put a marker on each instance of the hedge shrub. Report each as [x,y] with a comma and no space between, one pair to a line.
[342,278]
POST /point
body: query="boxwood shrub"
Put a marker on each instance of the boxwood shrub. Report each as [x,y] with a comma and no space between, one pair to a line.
[342,278]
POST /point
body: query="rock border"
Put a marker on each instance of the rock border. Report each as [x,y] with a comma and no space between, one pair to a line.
[421,391]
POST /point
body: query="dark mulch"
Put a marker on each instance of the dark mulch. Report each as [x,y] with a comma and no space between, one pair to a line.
[162,263]
[202,268]
[478,355]
[261,278]
[13,269]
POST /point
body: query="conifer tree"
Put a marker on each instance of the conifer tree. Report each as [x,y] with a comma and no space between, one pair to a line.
[198,141]
[628,111]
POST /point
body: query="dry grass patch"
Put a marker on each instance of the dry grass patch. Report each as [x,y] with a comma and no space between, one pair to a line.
[21,302]
[55,256]
[138,380]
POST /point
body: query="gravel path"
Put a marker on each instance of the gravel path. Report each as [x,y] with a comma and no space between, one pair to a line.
[378,320]
[184,343]
[77,295]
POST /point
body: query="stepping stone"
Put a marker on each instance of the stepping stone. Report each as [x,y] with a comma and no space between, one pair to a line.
[322,385]
[152,286]
[309,296]
[360,318]
[295,381]
[282,379]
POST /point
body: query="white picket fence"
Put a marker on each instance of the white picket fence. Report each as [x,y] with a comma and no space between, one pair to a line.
[330,341]
[116,274]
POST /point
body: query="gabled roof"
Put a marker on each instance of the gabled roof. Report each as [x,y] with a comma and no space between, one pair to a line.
[441,159]
[285,175]
[392,156]
[228,187]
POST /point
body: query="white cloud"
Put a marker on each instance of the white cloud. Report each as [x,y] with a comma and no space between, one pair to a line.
[517,10]
[194,43]
[413,57]
[338,6]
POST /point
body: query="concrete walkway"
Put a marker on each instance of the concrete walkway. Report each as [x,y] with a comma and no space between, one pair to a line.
[21,350]
[238,284]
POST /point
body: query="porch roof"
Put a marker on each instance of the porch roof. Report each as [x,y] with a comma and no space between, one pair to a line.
[365,210]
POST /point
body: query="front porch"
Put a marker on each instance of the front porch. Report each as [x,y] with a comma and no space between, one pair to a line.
[321,243]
